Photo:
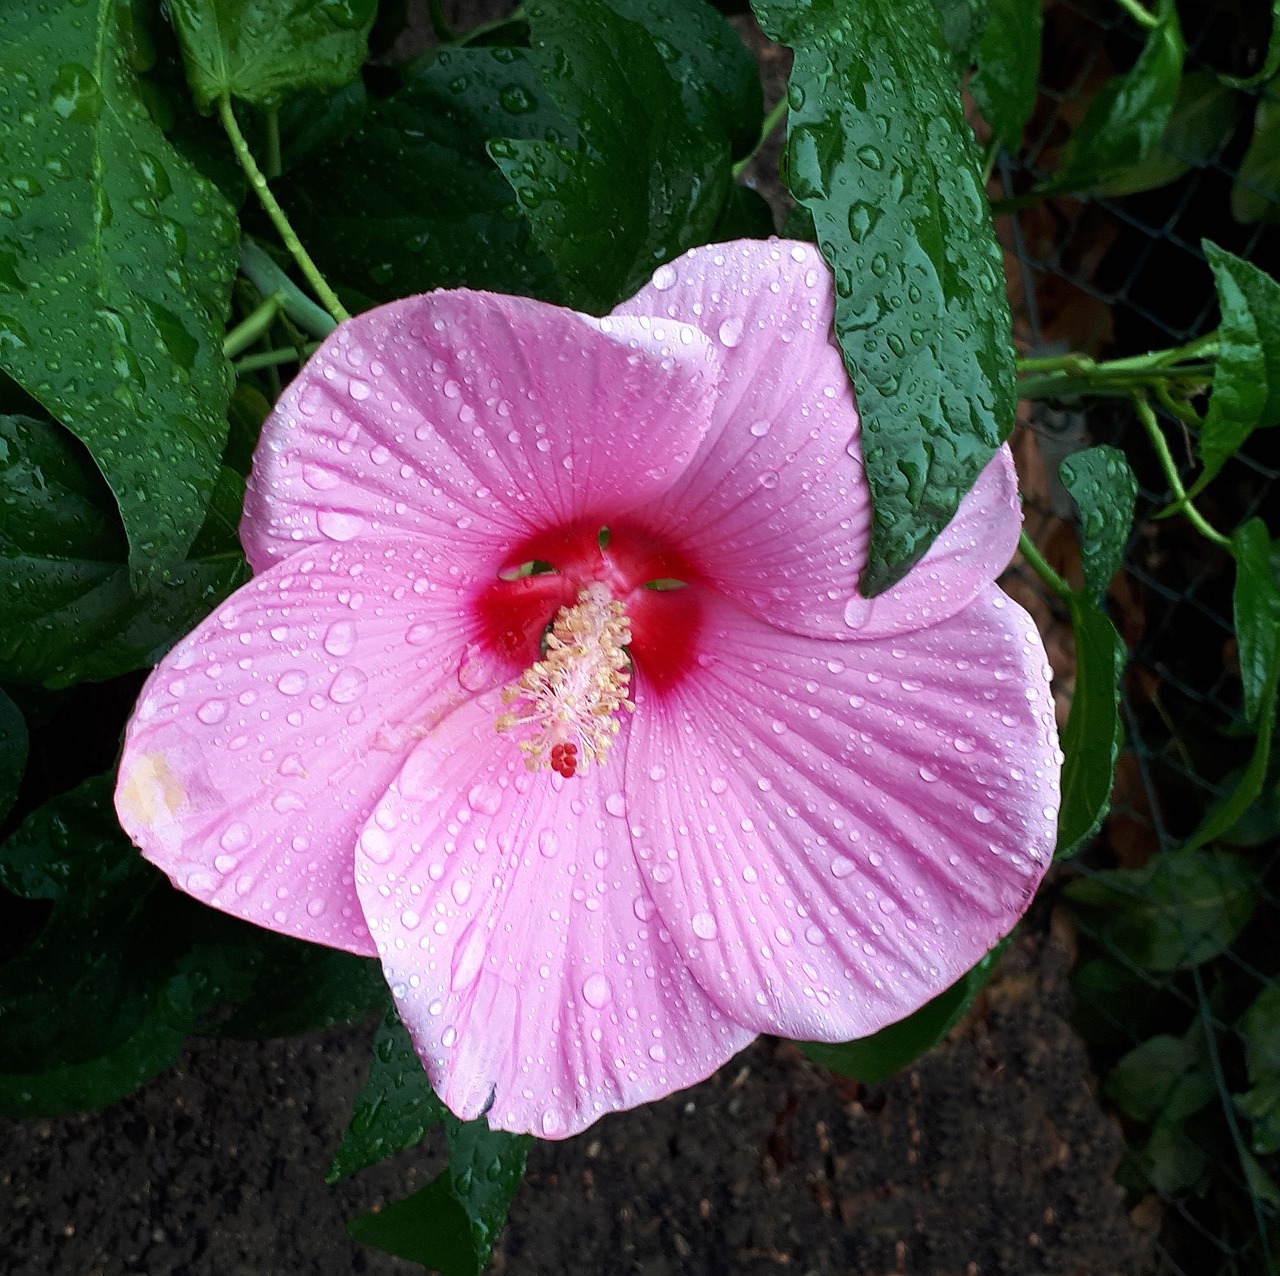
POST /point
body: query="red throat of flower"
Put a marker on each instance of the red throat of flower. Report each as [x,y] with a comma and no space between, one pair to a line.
[585,603]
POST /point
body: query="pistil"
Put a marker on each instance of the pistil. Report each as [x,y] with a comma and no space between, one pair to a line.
[565,707]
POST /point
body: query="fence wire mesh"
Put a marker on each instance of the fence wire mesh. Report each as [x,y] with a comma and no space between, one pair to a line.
[1178,973]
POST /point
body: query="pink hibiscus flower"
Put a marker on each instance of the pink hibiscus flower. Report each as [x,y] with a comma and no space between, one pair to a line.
[555,691]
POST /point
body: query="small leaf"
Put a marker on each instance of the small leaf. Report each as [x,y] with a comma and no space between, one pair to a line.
[1260,1028]
[880,153]
[1172,1161]
[1255,194]
[1204,118]
[1126,120]
[261,50]
[1102,485]
[1008,57]
[876,1058]
[650,175]
[395,1109]
[1256,603]
[1246,380]
[114,244]
[1093,735]
[13,752]
[1179,910]
[1165,1078]
[69,612]
[451,1224]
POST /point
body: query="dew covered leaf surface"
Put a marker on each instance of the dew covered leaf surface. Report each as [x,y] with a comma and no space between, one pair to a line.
[116,260]
[1103,487]
[880,154]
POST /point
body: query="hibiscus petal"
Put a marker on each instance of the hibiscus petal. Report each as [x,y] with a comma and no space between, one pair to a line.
[262,741]
[775,506]
[520,941]
[834,832]
[478,419]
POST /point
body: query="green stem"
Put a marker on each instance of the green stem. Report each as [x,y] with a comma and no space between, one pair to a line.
[253,327]
[276,213]
[1182,502]
[272,359]
[256,266]
[1140,15]
[989,159]
[771,122]
[1042,569]
[439,24]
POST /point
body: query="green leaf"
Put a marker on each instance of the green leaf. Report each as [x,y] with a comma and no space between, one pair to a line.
[963,22]
[1260,1028]
[13,752]
[1008,57]
[1114,1003]
[651,172]
[394,1110]
[315,122]
[1165,1078]
[1103,487]
[261,50]
[1255,194]
[1256,603]
[880,153]
[1271,60]
[299,987]
[1261,1104]
[1125,122]
[64,588]
[877,1057]
[374,211]
[450,1225]
[1172,1161]
[1177,911]
[1204,118]
[1093,735]
[1246,379]
[116,261]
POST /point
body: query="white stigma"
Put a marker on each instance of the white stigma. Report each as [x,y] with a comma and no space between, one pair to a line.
[567,703]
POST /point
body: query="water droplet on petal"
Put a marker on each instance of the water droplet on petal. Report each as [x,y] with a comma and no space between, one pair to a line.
[596,991]
[704,925]
[212,711]
[339,525]
[340,638]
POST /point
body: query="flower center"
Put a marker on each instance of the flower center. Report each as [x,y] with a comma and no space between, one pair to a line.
[565,706]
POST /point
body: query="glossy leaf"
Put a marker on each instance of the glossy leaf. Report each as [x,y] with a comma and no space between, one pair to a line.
[13,752]
[1102,485]
[1008,57]
[450,1225]
[69,613]
[1246,379]
[963,22]
[109,238]
[876,1058]
[261,50]
[377,217]
[1203,120]
[395,1109]
[880,153]
[1181,909]
[1255,194]
[1125,122]
[653,167]
[1093,735]
[1256,603]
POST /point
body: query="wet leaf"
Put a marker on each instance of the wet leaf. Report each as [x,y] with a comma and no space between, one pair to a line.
[881,155]
[1246,379]
[1103,487]
[1008,58]
[1255,194]
[261,50]
[13,752]
[1179,910]
[1204,118]
[650,174]
[1256,603]
[64,589]
[1093,735]
[963,22]
[1126,120]
[111,240]
[450,1225]
[395,1109]
[876,1058]
[374,211]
